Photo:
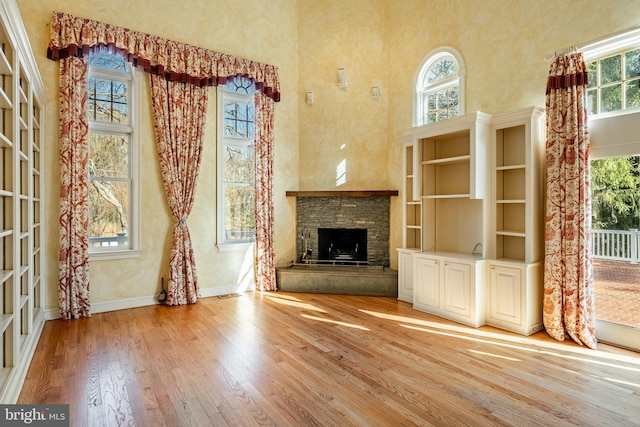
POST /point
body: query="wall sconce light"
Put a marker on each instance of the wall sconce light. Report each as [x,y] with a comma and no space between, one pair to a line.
[342,77]
[375,92]
[309,98]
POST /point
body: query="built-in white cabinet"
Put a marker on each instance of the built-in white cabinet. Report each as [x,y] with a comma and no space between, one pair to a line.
[21,204]
[405,274]
[515,296]
[450,286]
[426,273]
[473,219]
[450,163]
[515,268]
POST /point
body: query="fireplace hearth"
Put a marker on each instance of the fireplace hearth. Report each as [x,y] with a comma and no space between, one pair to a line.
[342,244]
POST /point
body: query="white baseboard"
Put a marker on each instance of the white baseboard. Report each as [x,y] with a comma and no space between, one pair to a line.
[124,304]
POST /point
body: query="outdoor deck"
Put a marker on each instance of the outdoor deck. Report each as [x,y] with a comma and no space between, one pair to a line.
[617,291]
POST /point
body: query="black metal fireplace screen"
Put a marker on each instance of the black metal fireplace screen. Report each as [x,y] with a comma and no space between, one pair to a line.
[342,244]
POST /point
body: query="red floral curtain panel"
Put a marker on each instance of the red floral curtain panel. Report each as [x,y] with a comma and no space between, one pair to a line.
[568,281]
[73,254]
[179,111]
[265,255]
[71,39]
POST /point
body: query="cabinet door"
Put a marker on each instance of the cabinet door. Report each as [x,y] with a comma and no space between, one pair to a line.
[505,294]
[457,289]
[426,286]
[405,276]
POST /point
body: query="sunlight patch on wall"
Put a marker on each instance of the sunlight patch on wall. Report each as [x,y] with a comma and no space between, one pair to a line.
[245,280]
[341,173]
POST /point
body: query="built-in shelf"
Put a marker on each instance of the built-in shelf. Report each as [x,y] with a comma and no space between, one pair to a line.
[5,321]
[515,270]
[447,160]
[448,196]
[22,288]
[472,219]
[504,168]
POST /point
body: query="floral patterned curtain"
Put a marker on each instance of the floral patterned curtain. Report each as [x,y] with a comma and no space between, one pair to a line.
[73,254]
[73,36]
[71,39]
[265,254]
[568,282]
[179,111]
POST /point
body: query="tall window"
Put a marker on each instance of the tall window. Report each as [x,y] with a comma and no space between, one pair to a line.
[439,87]
[112,155]
[236,163]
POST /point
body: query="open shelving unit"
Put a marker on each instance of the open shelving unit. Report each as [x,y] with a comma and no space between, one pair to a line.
[515,266]
[451,163]
[412,206]
[475,181]
[411,223]
[510,193]
[21,182]
[445,164]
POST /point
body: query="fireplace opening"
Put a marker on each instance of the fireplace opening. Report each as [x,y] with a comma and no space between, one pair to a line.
[342,244]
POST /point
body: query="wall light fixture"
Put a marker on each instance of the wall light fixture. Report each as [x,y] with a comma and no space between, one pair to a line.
[342,77]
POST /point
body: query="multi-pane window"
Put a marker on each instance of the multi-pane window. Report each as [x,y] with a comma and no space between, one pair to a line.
[438,89]
[111,151]
[236,176]
[614,82]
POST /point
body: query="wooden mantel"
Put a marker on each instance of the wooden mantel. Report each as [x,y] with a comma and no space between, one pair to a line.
[344,193]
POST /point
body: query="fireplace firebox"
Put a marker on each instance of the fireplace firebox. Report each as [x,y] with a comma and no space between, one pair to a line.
[342,244]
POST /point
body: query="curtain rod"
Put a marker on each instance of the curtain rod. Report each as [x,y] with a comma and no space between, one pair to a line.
[605,39]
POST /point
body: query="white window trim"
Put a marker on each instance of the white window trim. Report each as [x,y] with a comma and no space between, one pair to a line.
[223,244]
[615,43]
[426,62]
[134,232]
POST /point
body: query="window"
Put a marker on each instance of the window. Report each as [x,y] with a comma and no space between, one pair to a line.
[613,64]
[614,82]
[439,87]
[112,169]
[236,164]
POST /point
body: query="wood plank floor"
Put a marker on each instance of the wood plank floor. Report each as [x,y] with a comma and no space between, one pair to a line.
[321,360]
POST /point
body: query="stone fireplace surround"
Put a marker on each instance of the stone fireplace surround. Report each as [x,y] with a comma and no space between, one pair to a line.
[346,209]
[368,210]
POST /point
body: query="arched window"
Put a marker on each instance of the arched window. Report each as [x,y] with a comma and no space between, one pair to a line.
[439,87]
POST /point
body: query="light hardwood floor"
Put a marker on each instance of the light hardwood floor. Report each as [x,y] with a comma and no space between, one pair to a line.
[321,360]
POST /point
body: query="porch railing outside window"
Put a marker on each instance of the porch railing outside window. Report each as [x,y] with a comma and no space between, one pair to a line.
[616,245]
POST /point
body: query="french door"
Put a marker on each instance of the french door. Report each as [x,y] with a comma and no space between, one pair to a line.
[615,186]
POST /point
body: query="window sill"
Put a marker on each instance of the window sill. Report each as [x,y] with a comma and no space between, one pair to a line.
[229,247]
[113,255]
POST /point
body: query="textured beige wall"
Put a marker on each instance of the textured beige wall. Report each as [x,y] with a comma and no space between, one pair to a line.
[343,125]
[255,29]
[502,42]
[380,42]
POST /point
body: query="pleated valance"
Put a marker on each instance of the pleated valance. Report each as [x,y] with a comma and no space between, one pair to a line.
[73,36]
